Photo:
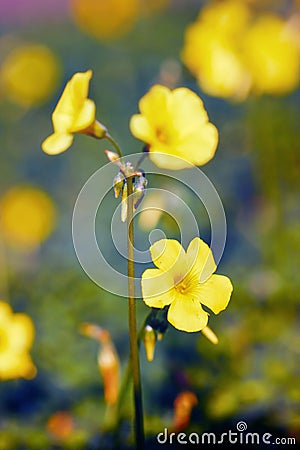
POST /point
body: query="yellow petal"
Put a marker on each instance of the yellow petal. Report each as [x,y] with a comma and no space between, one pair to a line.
[22,332]
[71,101]
[215,293]
[163,160]
[85,117]
[57,143]
[5,311]
[187,110]
[140,128]
[154,105]
[200,259]
[187,314]
[168,255]
[157,288]
[199,147]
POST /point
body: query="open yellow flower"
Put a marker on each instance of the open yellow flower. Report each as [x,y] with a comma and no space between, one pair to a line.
[185,280]
[74,113]
[175,123]
[16,337]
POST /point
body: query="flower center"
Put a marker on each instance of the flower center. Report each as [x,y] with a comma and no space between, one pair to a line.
[187,284]
[161,136]
[181,287]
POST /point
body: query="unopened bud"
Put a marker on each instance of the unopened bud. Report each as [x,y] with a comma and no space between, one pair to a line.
[210,335]
[112,156]
[128,170]
[124,203]
[149,342]
[138,196]
[118,184]
[108,363]
[183,406]
[139,191]
[95,332]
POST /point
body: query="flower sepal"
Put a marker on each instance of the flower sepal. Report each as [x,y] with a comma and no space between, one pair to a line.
[96,130]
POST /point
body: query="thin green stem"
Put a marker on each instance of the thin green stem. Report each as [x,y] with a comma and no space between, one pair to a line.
[115,144]
[126,380]
[134,351]
[144,155]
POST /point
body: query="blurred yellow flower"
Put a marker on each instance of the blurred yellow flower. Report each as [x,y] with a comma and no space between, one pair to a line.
[175,123]
[74,113]
[185,280]
[30,74]
[105,19]
[212,49]
[27,217]
[16,337]
[272,55]
[232,52]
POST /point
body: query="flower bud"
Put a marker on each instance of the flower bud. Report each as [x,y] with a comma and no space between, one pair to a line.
[183,406]
[128,170]
[124,203]
[149,342]
[210,335]
[139,191]
[108,360]
[108,363]
[112,156]
[118,184]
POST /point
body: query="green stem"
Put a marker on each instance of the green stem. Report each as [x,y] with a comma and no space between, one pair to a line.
[114,143]
[134,351]
[144,155]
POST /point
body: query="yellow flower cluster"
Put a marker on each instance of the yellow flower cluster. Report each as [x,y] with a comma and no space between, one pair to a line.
[29,74]
[16,337]
[178,134]
[27,217]
[231,52]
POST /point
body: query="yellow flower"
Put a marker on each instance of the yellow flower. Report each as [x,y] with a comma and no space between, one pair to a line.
[185,280]
[105,19]
[212,50]
[232,53]
[27,217]
[29,74]
[74,113]
[272,54]
[175,123]
[16,337]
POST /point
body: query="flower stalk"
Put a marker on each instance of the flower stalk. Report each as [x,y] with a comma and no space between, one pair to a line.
[134,351]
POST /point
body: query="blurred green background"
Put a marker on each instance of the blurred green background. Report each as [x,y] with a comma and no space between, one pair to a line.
[252,374]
